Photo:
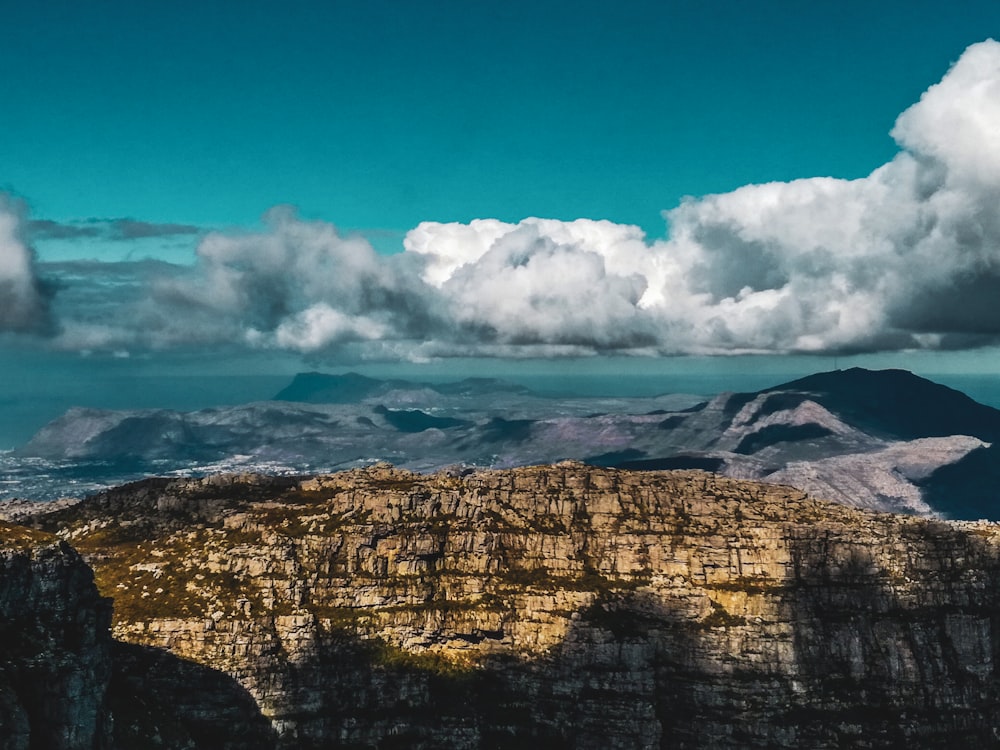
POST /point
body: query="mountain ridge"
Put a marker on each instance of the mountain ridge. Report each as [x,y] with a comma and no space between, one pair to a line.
[837,434]
[350,387]
[898,403]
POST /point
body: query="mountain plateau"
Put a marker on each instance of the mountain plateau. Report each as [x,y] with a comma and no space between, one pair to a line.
[549,606]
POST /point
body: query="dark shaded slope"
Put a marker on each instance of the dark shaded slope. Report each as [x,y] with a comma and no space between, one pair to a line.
[150,436]
[159,700]
[897,404]
[414,420]
[500,430]
[55,661]
[780,433]
[967,489]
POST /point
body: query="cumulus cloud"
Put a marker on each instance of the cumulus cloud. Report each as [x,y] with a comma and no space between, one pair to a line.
[296,285]
[907,257]
[23,299]
[540,282]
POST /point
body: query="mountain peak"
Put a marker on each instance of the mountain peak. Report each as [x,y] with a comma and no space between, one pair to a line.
[352,387]
[898,404]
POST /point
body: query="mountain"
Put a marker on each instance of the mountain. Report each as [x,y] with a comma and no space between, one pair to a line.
[885,440]
[897,404]
[554,606]
[319,388]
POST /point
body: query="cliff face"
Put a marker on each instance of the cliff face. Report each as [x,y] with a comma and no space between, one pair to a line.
[55,661]
[558,606]
[65,684]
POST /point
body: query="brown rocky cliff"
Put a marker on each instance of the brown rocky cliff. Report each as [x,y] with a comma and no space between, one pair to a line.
[558,606]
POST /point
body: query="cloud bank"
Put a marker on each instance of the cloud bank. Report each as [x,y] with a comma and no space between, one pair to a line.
[908,257]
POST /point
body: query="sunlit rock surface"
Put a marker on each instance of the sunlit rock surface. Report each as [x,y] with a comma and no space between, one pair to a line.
[557,606]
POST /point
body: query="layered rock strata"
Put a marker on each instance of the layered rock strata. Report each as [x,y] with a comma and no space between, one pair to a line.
[560,606]
[55,661]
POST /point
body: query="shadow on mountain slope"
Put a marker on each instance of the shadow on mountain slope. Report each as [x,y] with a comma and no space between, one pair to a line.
[895,649]
[158,700]
[968,488]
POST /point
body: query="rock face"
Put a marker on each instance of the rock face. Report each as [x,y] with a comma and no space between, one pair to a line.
[65,684]
[560,606]
[55,648]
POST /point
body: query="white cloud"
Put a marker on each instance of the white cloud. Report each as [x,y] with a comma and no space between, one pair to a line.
[550,283]
[296,285]
[955,121]
[906,257]
[448,247]
[320,326]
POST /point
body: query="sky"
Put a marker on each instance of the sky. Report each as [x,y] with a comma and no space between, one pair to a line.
[270,187]
[380,115]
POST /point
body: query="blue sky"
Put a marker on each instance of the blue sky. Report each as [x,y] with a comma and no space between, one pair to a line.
[813,183]
[379,115]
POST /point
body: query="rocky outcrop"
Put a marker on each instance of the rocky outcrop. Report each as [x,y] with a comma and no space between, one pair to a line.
[55,646]
[65,684]
[560,606]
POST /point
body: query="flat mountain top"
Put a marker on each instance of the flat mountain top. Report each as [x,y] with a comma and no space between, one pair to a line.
[552,606]
[351,387]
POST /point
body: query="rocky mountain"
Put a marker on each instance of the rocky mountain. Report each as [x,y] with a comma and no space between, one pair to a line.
[885,440]
[55,662]
[66,684]
[551,606]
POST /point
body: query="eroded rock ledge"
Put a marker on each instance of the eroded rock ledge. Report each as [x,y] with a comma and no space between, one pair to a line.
[558,606]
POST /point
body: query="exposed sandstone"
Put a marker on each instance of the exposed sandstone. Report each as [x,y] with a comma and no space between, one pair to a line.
[559,606]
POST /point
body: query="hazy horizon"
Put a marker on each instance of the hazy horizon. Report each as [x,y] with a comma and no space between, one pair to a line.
[32,399]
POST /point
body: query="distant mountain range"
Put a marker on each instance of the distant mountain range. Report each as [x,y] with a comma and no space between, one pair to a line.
[885,440]
[319,388]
